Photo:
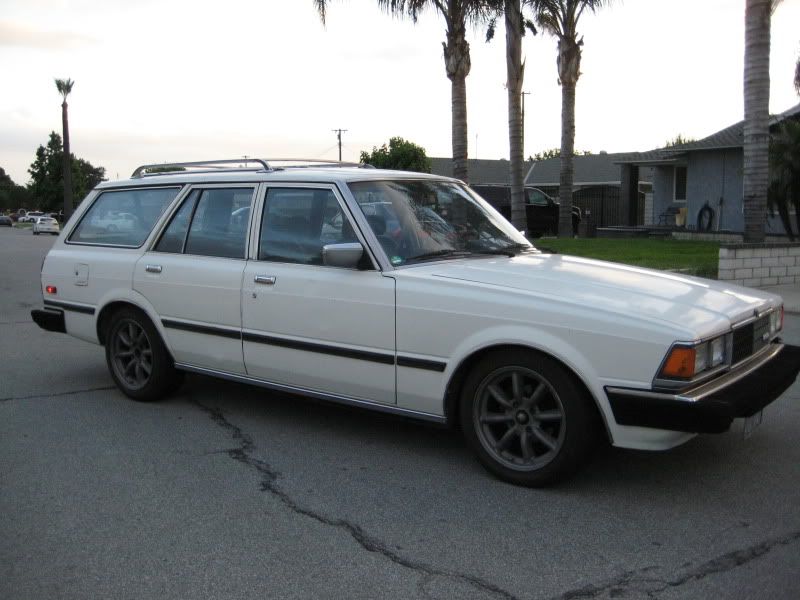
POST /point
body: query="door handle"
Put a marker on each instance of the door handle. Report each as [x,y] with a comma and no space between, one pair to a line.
[265,279]
[153,268]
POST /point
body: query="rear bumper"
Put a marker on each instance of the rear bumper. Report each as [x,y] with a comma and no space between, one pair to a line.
[711,407]
[49,319]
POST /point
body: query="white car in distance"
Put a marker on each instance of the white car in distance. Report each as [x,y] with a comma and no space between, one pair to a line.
[434,307]
[45,225]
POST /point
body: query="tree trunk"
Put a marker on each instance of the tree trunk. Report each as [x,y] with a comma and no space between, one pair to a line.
[67,164]
[567,151]
[457,65]
[756,117]
[515,73]
[459,129]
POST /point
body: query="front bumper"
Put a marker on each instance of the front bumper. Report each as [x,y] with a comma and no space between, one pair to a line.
[49,319]
[712,406]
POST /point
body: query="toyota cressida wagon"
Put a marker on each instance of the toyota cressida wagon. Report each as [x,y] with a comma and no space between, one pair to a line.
[409,294]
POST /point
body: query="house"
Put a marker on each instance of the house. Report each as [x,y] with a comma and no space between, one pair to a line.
[597,184]
[697,184]
[480,170]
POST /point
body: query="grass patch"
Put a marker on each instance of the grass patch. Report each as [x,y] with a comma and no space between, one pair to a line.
[693,258]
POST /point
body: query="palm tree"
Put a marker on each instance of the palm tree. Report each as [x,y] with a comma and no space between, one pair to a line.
[784,166]
[457,14]
[757,17]
[515,73]
[64,87]
[560,19]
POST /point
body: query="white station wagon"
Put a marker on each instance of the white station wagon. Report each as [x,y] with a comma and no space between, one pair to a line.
[406,293]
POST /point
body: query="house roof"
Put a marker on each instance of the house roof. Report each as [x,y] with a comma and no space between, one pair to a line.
[480,170]
[590,169]
[730,137]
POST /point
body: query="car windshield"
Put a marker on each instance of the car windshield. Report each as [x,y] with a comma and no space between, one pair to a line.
[419,220]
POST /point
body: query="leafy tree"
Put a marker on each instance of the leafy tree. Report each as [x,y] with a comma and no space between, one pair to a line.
[47,181]
[560,19]
[784,164]
[64,87]
[401,155]
[678,140]
[457,14]
[12,196]
[556,153]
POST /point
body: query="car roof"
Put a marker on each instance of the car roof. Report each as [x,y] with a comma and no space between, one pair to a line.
[340,175]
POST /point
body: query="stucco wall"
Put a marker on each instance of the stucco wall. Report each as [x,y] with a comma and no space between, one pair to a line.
[712,176]
[663,180]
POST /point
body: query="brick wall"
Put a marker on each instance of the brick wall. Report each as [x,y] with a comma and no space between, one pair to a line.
[757,265]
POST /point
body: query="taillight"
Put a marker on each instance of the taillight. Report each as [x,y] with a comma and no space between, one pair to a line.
[51,289]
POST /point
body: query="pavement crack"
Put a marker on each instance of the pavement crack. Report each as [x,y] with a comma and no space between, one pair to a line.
[269,477]
[58,394]
[639,581]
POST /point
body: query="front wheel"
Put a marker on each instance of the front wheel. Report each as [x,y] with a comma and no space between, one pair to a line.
[137,358]
[526,417]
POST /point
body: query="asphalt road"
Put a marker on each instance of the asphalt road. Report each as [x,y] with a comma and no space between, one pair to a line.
[226,491]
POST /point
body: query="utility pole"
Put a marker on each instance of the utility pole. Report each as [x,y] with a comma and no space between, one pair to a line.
[523,94]
[339,133]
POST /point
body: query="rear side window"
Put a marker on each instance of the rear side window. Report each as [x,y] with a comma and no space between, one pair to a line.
[123,217]
[210,222]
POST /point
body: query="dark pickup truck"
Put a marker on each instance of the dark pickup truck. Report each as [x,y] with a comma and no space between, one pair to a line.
[541,209]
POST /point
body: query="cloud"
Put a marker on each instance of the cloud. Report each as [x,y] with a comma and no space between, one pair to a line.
[20,36]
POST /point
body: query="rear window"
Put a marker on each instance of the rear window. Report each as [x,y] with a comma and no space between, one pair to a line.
[123,217]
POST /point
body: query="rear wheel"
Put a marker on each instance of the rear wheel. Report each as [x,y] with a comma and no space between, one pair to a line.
[526,417]
[137,358]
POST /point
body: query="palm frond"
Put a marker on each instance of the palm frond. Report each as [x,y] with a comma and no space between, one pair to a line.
[321,6]
[64,87]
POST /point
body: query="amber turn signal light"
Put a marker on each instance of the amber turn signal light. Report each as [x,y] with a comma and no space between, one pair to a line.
[680,363]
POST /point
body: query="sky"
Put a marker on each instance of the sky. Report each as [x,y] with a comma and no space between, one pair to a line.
[180,80]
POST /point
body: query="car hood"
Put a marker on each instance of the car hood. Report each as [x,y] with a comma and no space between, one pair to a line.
[699,306]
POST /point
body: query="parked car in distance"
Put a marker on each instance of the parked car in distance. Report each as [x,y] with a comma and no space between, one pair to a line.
[541,210]
[6,221]
[409,294]
[30,217]
[45,225]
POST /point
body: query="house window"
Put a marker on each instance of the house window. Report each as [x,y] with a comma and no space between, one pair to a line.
[680,184]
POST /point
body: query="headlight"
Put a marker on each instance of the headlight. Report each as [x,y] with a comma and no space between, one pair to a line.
[686,362]
[776,321]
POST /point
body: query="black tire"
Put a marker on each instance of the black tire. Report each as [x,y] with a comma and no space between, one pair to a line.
[514,442]
[136,356]
[35,232]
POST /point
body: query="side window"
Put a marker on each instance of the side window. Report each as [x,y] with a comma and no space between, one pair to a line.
[297,223]
[123,217]
[210,222]
[536,197]
[174,237]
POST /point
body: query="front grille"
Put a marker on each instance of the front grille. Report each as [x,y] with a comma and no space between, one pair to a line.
[750,339]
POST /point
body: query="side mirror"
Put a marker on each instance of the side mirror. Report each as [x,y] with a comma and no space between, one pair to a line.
[342,255]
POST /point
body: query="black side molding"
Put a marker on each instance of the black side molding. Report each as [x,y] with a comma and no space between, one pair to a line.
[49,320]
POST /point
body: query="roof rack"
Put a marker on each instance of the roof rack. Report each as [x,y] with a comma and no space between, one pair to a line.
[208,166]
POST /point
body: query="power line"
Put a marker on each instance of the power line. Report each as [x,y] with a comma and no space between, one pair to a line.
[339,133]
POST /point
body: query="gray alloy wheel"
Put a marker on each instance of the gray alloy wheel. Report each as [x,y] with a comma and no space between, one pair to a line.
[519,418]
[527,417]
[132,354]
[139,362]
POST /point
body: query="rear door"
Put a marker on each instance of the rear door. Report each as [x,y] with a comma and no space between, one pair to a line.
[193,276]
[311,326]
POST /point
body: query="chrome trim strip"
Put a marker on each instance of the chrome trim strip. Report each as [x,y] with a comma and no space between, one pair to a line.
[700,392]
[279,387]
[87,309]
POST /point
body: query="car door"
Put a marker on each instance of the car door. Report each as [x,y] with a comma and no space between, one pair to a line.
[193,276]
[541,211]
[311,326]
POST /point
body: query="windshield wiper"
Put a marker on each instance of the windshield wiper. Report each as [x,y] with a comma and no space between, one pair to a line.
[511,250]
[437,254]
